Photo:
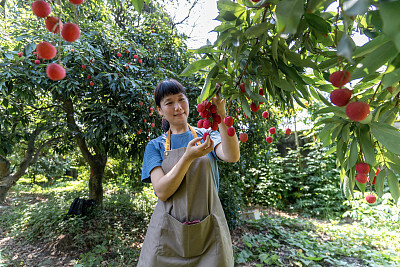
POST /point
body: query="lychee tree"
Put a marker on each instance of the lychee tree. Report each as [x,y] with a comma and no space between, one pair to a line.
[304,51]
[105,99]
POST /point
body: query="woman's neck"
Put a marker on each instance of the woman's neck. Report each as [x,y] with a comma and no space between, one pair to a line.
[179,129]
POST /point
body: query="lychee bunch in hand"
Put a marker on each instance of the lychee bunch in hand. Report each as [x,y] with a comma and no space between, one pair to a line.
[210,118]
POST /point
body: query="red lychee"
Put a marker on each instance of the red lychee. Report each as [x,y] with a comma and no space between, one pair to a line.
[254,107]
[272,130]
[361,178]
[204,114]
[53,24]
[200,124]
[370,199]
[261,91]
[152,124]
[217,118]
[214,126]
[205,136]
[119,55]
[213,108]
[89,77]
[41,8]
[340,78]
[76,2]
[20,54]
[340,97]
[135,56]
[230,131]
[362,167]
[200,107]
[70,32]
[84,66]
[357,111]
[243,87]
[46,50]
[206,124]
[139,61]
[228,121]
[265,114]
[37,61]
[91,83]
[269,139]
[288,131]
[243,137]
[55,72]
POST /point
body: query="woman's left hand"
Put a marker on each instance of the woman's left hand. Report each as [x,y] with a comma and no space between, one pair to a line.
[220,103]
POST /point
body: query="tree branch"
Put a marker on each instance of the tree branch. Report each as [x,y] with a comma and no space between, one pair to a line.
[190,10]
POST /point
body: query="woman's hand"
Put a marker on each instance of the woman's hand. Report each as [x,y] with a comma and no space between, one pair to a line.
[192,151]
[220,103]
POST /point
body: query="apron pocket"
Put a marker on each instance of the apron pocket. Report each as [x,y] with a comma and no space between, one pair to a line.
[186,240]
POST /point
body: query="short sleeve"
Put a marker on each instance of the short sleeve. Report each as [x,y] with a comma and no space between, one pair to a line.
[216,137]
[151,159]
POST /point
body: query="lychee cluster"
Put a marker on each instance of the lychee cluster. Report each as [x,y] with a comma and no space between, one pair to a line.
[70,32]
[362,170]
[355,111]
[210,118]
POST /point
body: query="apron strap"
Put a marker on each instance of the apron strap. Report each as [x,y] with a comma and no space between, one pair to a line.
[168,141]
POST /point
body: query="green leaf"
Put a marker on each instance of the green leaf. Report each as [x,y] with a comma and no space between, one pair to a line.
[367,146]
[257,30]
[391,78]
[355,7]
[374,60]
[370,46]
[379,182]
[345,48]
[353,155]
[288,14]
[346,187]
[290,72]
[205,92]
[196,66]
[138,5]
[389,11]
[223,27]
[387,135]
[393,185]
[274,47]
[318,23]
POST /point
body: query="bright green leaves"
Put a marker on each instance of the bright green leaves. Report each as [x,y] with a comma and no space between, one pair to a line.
[367,145]
[393,182]
[289,13]
[258,29]
[317,23]
[196,66]
[387,135]
[388,11]
[355,7]
[229,11]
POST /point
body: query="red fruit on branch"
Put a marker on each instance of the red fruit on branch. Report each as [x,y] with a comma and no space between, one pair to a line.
[53,24]
[139,61]
[243,87]
[200,123]
[265,114]
[91,83]
[127,51]
[41,8]
[340,78]
[213,108]
[89,77]
[55,72]
[214,126]
[217,118]
[230,131]
[135,56]
[205,136]
[254,107]
[37,61]
[272,130]
[140,131]
[204,114]
[84,66]
[159,58]
[261,92]
[208,105]
[46,50]
[361,178]
[340,97]
[152,124]
[362,167]
[288,131]
[269,139]
[206,124]
[357,111]
[371,199]
[243,137]
[76,2]
[228,121]
[20,54]
[376,174]
[70,32]
[119,55]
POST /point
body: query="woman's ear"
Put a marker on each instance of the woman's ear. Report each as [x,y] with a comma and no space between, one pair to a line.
[159,111]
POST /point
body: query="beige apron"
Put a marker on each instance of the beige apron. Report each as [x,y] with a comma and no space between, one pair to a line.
[189,229]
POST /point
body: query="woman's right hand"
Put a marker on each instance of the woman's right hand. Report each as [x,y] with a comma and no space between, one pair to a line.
[193,151]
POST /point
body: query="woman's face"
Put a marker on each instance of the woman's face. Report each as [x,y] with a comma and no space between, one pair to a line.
[174,108]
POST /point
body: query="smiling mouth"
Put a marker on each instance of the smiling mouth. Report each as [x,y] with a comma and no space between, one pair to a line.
[179,114]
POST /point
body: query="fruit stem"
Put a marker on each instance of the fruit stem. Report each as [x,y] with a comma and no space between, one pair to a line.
[377,88]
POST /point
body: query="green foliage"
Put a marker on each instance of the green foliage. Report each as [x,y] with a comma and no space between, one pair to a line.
[276,240]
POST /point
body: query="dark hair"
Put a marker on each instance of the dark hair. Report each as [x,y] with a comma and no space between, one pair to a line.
[166,88]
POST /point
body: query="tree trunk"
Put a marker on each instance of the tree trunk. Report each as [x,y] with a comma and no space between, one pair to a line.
[3,193]
[97,167]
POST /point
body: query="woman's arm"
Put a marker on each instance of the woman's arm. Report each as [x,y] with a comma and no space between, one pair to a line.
[165,185]
[228,150]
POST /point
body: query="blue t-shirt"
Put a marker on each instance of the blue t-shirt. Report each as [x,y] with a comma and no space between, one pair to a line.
[153,155]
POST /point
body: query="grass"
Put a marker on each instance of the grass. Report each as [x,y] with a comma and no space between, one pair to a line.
[113,236]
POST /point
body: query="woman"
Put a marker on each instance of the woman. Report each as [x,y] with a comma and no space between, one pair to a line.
[188,226]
